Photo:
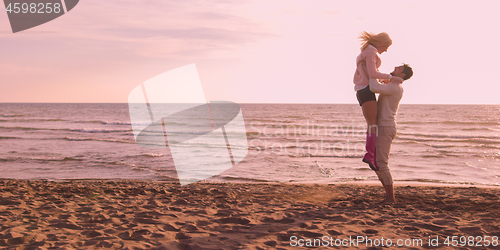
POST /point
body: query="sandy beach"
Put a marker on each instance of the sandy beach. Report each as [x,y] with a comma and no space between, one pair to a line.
[160,215]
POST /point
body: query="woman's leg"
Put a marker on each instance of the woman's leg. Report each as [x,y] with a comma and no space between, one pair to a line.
[370,113]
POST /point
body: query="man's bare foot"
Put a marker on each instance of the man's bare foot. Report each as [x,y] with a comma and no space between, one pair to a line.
[388,201]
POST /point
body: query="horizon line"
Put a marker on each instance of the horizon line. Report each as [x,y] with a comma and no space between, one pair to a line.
[251,103]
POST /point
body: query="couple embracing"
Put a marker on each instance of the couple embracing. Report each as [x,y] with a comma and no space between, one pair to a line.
[380,116]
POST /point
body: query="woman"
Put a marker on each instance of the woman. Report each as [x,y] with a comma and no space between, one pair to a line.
[367,64]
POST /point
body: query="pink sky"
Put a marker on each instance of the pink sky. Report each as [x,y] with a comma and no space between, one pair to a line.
[253,51]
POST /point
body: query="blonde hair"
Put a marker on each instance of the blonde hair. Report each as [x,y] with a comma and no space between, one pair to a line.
[380,39]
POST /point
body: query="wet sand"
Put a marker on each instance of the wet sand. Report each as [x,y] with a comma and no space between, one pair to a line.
[159,215]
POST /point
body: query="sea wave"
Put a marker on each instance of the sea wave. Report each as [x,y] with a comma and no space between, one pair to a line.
[98,130]
[243,179]
[105,122]
[152,155]
[82,130]
[39,158]
[306,155]
[470,122]
[450,182]
[33,120]
[9,138]
[449,136]
[97,139]
[450,140]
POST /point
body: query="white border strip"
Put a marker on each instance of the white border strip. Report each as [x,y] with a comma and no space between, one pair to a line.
[64,6]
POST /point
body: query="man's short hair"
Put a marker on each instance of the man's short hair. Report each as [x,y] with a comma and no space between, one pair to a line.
[408,71]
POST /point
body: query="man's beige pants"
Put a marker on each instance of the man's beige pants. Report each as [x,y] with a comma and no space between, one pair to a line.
[383,148]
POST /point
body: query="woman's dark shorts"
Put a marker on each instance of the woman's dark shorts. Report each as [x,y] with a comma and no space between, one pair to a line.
[365,95]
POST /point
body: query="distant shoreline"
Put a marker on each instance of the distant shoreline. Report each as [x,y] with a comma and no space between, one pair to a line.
[215,182]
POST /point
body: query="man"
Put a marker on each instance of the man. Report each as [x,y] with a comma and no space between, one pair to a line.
[387,107]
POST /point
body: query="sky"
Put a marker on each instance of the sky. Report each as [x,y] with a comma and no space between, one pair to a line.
[253,51]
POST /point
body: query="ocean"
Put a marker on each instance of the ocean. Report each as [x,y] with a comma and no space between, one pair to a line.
[287,143]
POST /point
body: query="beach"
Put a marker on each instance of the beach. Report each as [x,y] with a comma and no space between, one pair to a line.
[95,214]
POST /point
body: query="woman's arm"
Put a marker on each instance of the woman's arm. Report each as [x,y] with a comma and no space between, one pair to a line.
[385,89]
[371,66]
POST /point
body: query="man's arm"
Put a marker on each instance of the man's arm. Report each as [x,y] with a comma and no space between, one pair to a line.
[386,89]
